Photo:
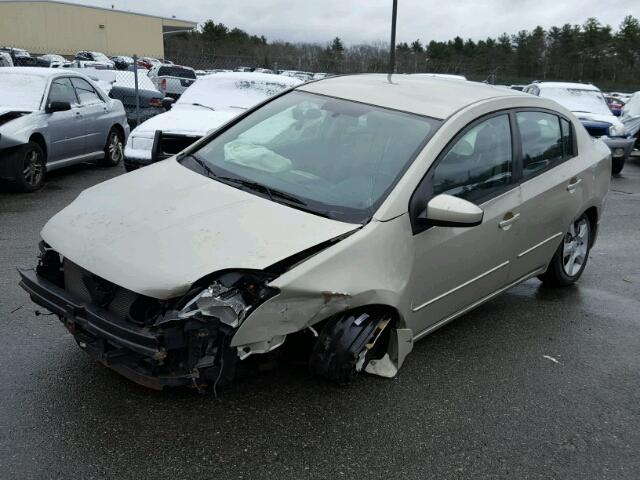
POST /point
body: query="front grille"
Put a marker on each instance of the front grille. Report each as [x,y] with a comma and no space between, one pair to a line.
[597,131]
[75,284]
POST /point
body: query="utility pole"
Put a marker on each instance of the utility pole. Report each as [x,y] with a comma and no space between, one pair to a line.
[392,53]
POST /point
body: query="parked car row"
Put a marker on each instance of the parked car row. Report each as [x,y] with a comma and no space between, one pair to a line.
[589,105]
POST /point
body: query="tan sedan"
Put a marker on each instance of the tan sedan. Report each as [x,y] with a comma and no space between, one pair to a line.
[347,217]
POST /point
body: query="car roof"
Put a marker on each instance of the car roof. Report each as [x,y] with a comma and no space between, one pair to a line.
[569,85]
[434,97]
[44,72]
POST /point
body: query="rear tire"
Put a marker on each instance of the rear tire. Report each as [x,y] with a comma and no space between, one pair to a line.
[617,164]
[29,166]
[114,149]
[571,257]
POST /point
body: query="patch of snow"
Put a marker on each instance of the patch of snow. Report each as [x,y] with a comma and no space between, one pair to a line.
[235,91]
[21,91]
[577,97]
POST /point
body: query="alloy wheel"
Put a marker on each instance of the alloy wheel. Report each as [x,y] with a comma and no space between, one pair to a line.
[115,148]
[575,247]
[33,168]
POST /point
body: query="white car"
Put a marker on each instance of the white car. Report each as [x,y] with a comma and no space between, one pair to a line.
[589,105]
[631,116]
[347,218]
[210,102]
[172,80]
[5,60]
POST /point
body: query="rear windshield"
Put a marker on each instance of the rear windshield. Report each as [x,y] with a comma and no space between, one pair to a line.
[173,71]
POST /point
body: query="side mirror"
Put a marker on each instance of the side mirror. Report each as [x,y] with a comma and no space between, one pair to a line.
[167,102]
[448,211]
[53,107]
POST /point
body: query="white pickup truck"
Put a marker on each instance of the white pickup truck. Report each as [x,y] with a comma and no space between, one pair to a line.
[172,80]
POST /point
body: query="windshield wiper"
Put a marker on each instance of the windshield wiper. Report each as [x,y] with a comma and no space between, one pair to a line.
[203,106]
[271,192]
[203,164]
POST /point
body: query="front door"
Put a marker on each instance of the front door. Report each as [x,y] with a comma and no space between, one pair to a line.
[456,268]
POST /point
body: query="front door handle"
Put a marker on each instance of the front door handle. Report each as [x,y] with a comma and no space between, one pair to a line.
[573,184]
[509,219]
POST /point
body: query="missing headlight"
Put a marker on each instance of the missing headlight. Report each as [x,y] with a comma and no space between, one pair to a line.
[230,297]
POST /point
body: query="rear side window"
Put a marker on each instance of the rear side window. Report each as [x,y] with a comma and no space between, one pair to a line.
[62,91]
[479,164]
[173,71]
[542,141]
[86,94]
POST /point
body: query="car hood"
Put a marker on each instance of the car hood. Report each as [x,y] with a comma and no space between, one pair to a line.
[598,117]
[157,230]
[184,120]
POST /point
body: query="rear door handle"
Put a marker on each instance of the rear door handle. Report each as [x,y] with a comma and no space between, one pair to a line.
[573,184]
[507,222]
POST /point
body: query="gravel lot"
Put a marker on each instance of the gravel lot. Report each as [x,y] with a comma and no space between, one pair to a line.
[477,399]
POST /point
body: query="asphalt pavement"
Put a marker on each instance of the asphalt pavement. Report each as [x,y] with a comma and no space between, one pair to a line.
[537,383]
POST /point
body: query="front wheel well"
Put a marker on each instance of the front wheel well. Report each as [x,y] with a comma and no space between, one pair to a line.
[119,128]
[39,139]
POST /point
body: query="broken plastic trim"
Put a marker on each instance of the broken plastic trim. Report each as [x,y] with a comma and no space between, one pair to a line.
[230,297]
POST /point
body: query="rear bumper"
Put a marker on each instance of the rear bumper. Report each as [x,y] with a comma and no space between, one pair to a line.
[134,352]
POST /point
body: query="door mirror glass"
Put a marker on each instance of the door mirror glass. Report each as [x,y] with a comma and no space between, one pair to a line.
[53,107]
[448,211]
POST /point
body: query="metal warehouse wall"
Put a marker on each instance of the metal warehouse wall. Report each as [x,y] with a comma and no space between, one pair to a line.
[48,27]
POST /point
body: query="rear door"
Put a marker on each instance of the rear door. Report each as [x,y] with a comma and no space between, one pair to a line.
[552,187]
[66,129]
[94,113]
[455,268]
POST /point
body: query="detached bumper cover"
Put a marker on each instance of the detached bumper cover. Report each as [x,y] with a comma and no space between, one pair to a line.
[124,347]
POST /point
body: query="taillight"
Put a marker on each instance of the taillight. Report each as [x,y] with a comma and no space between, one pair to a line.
[163,84]
[156,102]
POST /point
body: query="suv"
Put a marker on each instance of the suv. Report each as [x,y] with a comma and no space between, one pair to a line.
[588,104]
[172,80]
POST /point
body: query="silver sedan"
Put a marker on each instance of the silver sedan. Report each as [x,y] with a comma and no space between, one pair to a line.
[50,119]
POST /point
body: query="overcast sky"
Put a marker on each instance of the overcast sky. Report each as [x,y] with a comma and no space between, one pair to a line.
[357,21]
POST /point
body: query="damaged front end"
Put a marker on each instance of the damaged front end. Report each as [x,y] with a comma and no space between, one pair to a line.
[156,343]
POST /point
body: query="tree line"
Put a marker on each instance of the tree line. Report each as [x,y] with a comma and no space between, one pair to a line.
[591,52]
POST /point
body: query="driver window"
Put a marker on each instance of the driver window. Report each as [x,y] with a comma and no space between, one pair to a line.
[62,91]
[479,164]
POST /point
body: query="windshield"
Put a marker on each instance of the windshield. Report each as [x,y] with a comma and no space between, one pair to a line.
[332,157]
[18,90]
[228,93]
[578,100]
